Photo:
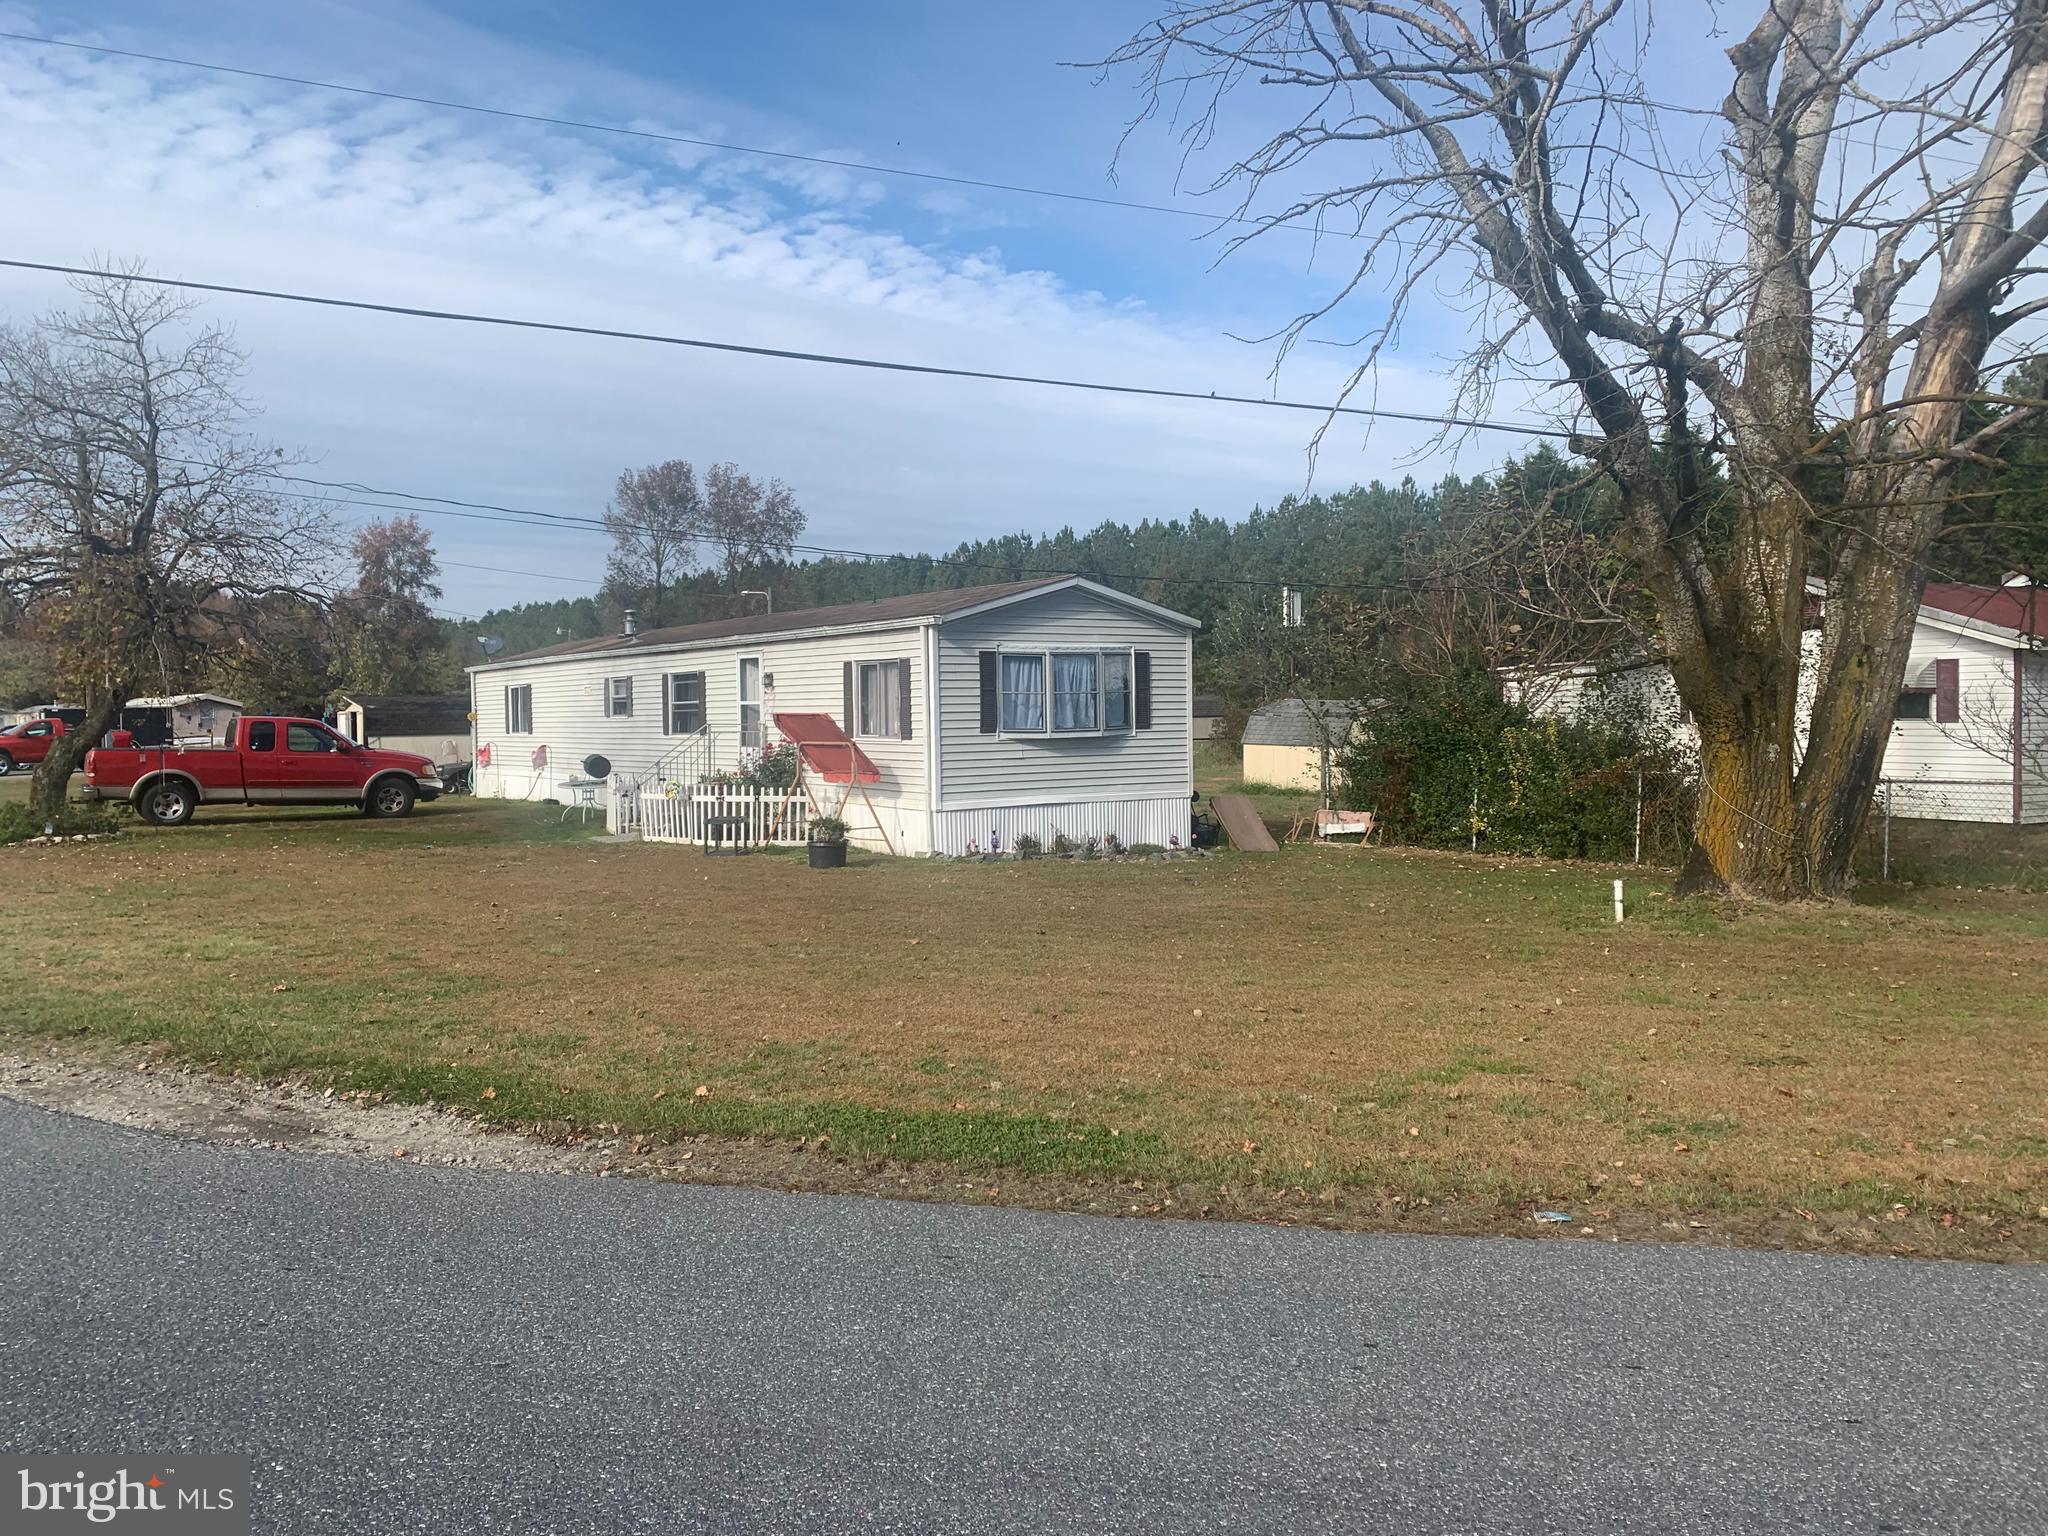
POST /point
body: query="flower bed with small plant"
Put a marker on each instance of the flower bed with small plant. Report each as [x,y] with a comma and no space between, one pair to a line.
[1108,846]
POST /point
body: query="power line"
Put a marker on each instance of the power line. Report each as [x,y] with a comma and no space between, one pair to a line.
[883,365]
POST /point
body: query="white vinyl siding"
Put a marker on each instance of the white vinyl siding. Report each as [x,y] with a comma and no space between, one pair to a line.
[978,768]
[568,715]
[1949,770]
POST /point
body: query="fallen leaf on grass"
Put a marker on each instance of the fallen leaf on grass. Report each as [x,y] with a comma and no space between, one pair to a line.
[703,1091]
[659,1095]
[489,1093]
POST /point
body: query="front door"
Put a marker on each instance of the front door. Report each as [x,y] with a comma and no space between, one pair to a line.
[750,702]
[313,766]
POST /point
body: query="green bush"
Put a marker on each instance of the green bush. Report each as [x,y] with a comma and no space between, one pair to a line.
[1027,846]
[18,826]
[1440,760]
[774,769]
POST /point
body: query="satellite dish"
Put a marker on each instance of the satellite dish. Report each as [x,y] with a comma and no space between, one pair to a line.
[597,766]
[490,644]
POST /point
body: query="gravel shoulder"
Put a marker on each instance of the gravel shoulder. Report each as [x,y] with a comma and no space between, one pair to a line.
[153,1093]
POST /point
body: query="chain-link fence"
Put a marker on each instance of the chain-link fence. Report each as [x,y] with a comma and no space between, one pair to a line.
[1951,832]
[1920,832]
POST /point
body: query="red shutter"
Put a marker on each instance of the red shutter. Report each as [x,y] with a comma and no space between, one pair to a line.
[1948,691]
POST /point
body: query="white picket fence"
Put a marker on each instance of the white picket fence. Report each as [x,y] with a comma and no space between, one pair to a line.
[685,815]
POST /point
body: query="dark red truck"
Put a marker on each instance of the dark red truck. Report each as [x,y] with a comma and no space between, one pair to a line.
[264,760]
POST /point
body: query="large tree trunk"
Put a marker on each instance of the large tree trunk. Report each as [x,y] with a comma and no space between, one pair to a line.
[1746,827]
[1744,694]
[51,787]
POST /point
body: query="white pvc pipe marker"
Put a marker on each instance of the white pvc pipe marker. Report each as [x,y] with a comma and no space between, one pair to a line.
[1617,901]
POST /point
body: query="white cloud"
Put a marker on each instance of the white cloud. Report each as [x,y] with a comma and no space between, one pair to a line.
[238,182]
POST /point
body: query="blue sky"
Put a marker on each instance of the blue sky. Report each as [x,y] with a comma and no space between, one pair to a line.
[244,182]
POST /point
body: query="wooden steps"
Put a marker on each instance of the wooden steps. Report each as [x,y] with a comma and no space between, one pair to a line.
[1241,824]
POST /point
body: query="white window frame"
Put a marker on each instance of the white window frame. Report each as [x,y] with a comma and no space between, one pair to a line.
[893,695]
[612,701]
[739,673]
[668,701]
[511,715]
[1045,654]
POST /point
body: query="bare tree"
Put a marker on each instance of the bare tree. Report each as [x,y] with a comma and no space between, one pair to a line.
[134,520]
[1767,343]
[656,520]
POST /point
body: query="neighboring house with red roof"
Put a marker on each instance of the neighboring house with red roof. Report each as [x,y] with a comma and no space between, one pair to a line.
[1041,707]
[1970,737]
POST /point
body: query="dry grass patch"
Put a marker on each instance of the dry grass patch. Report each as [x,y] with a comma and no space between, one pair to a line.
[1420,1025]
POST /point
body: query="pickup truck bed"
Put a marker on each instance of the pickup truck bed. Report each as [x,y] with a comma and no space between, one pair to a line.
[263,760]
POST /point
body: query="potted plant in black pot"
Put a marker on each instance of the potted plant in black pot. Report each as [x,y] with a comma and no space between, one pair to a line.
[828,842]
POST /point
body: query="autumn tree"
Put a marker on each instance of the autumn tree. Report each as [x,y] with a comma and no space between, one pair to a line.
[135,518]
[392,643]
[1767,332]
[749,521]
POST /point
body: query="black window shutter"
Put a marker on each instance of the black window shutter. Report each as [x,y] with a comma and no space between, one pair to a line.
[846,716]
[903,698]
[1144,669]
[1948,691]
[668,699]
[989,701]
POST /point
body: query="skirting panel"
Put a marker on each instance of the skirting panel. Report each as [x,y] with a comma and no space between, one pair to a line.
[1162,820]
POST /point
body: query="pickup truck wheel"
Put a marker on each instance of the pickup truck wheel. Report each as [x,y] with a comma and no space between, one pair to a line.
[167,803]
[6,765]
[390,797]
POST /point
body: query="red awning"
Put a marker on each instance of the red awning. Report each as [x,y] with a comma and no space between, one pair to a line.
[827,750]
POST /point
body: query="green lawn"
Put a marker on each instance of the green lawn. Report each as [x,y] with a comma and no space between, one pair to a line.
[1370,1026]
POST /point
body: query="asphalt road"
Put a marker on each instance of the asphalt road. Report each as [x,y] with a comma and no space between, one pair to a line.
[425,1349]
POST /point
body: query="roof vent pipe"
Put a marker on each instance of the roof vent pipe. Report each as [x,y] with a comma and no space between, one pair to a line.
[632,621]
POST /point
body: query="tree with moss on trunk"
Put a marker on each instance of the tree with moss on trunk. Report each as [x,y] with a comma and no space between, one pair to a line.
[136,519]
[1771,330]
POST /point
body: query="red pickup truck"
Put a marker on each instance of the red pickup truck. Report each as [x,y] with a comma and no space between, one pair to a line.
[263,760]
[27,743]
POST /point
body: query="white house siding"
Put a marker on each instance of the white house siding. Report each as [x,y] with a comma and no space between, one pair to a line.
[569,717]
[1136,784]
[1958,770]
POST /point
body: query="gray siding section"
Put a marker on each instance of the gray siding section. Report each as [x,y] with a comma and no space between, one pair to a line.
[977,769]
[2034,740]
